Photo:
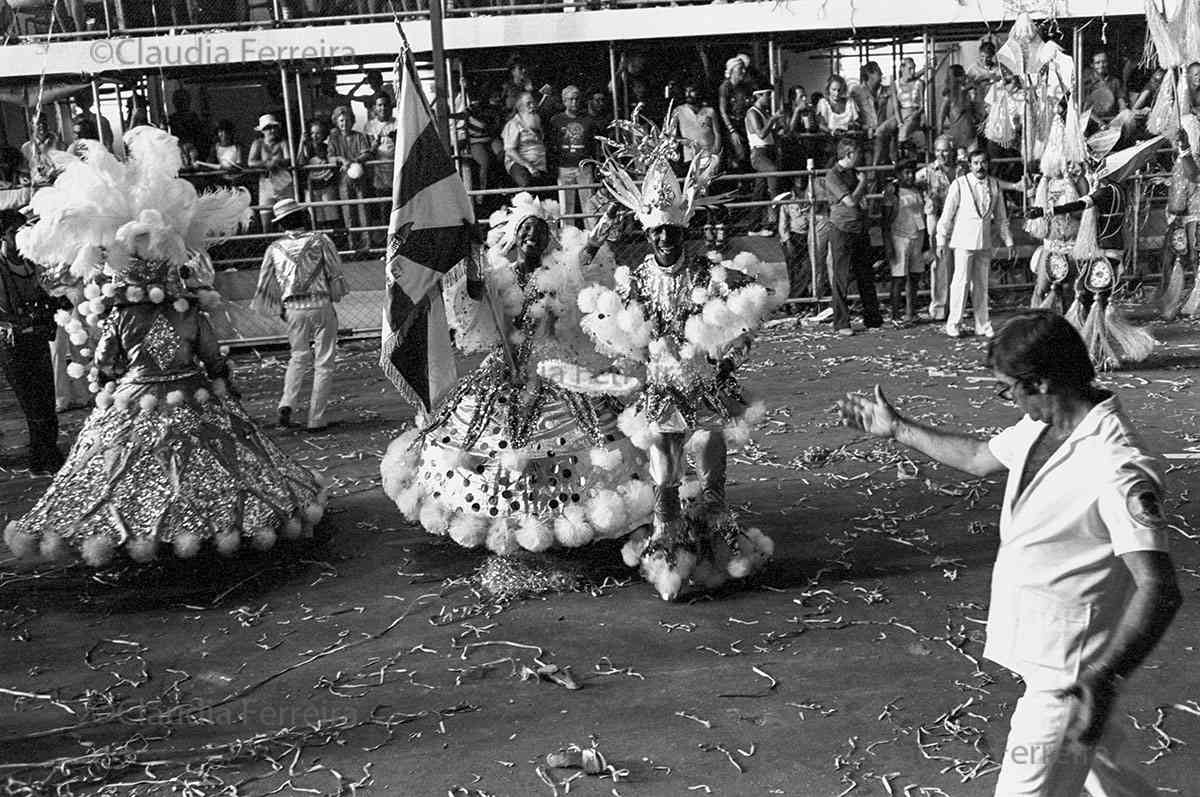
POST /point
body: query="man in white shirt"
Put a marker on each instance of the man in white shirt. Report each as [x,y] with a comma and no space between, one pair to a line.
[973,217]
[1083,588]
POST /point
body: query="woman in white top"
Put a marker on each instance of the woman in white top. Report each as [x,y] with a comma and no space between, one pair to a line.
[524,146]
[836,114]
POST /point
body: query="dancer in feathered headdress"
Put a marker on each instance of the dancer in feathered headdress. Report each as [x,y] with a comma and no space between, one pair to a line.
[524,453]
[1061,182]
[168,458]
[682,323]
[1099,253]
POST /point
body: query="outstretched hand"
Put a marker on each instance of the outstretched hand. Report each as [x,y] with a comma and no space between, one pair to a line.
[1094,696]
[872,414]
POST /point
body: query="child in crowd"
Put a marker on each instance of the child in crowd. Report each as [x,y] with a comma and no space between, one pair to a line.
[794,209]
[904,221]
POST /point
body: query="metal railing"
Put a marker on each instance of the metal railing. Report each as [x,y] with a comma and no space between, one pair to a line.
[237,258]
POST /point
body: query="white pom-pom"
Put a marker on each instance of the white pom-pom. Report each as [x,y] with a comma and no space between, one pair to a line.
[97,551]
[108,290]
[135,294]
[588,297]
[93,387]
[175,398]
[76,371]
[755,413]
[142,548]
[208,299]
[187,545]
[228,542]
[534,535]
[93,320]
[263,539]
[78,338]
[635,426]
[65,320]
[500,538]
[606,458]
[23,546]
[157,295]
[54,548]
[717,274]
[104,400]
[469,531]
[737,433]
[606,512]
[148,402]
[202,395]
[639,501]
[699,295]
[91,291]
[434,518]
[514,459]
[181,305]
[85,352]
[122,402]
[572,529]
[408,500]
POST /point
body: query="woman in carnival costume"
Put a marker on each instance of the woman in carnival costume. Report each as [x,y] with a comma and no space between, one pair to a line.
[1099,252]
[680,324]
[524,453]
[168,458]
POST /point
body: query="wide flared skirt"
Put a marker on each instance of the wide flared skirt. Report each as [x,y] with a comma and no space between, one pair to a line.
[168,465]
[515,469]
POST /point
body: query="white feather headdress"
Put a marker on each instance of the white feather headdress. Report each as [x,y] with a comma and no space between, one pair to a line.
[104,212]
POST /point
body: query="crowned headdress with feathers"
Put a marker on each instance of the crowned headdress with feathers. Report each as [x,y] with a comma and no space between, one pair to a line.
[660,199]
[102,213]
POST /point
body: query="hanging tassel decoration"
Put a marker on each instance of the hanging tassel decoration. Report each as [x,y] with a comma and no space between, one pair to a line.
[1051,301]
[1164,114]
[1075,314]
[1192,306]
[1087,248]
[1130,344]
[1096,337]
[1171,300]
[1166,41]
[1074,143]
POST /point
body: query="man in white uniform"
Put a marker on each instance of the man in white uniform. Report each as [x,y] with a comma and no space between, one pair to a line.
[1083,588]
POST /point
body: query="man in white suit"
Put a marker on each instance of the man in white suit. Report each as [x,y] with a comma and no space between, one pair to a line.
[973,218]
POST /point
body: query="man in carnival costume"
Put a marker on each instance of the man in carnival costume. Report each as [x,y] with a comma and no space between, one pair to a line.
[1182,249]
[1099,253]
[682,322]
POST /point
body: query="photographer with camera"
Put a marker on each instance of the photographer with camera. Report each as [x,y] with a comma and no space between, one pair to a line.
[26,328]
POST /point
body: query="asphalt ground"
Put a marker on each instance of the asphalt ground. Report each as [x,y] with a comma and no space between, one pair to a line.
[374,665]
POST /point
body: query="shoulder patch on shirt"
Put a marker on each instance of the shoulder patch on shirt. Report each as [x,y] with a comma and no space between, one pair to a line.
[1143,504]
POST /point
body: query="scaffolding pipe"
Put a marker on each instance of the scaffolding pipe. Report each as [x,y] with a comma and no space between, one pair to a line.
[290,138]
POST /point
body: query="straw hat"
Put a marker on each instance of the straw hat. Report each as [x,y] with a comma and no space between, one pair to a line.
[265,121]
[284,208]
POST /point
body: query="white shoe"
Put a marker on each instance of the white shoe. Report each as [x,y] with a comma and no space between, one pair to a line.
[987,331]
[953,332]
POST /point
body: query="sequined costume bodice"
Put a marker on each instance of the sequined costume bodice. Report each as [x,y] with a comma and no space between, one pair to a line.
[1065,226]
[666,295]
[153,341]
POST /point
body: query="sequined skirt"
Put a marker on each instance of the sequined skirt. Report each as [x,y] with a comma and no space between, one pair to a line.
[521,467]
[168,464]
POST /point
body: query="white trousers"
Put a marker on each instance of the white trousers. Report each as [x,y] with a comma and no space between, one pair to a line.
[939,281]
[971,268]
[1039,762]
[312,335]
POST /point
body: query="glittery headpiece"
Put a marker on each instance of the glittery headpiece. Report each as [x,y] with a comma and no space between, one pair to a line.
[505,222]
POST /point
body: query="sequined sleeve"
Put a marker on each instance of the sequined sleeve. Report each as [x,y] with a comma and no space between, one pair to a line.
[208,349]
[110,354]
[1180,190]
